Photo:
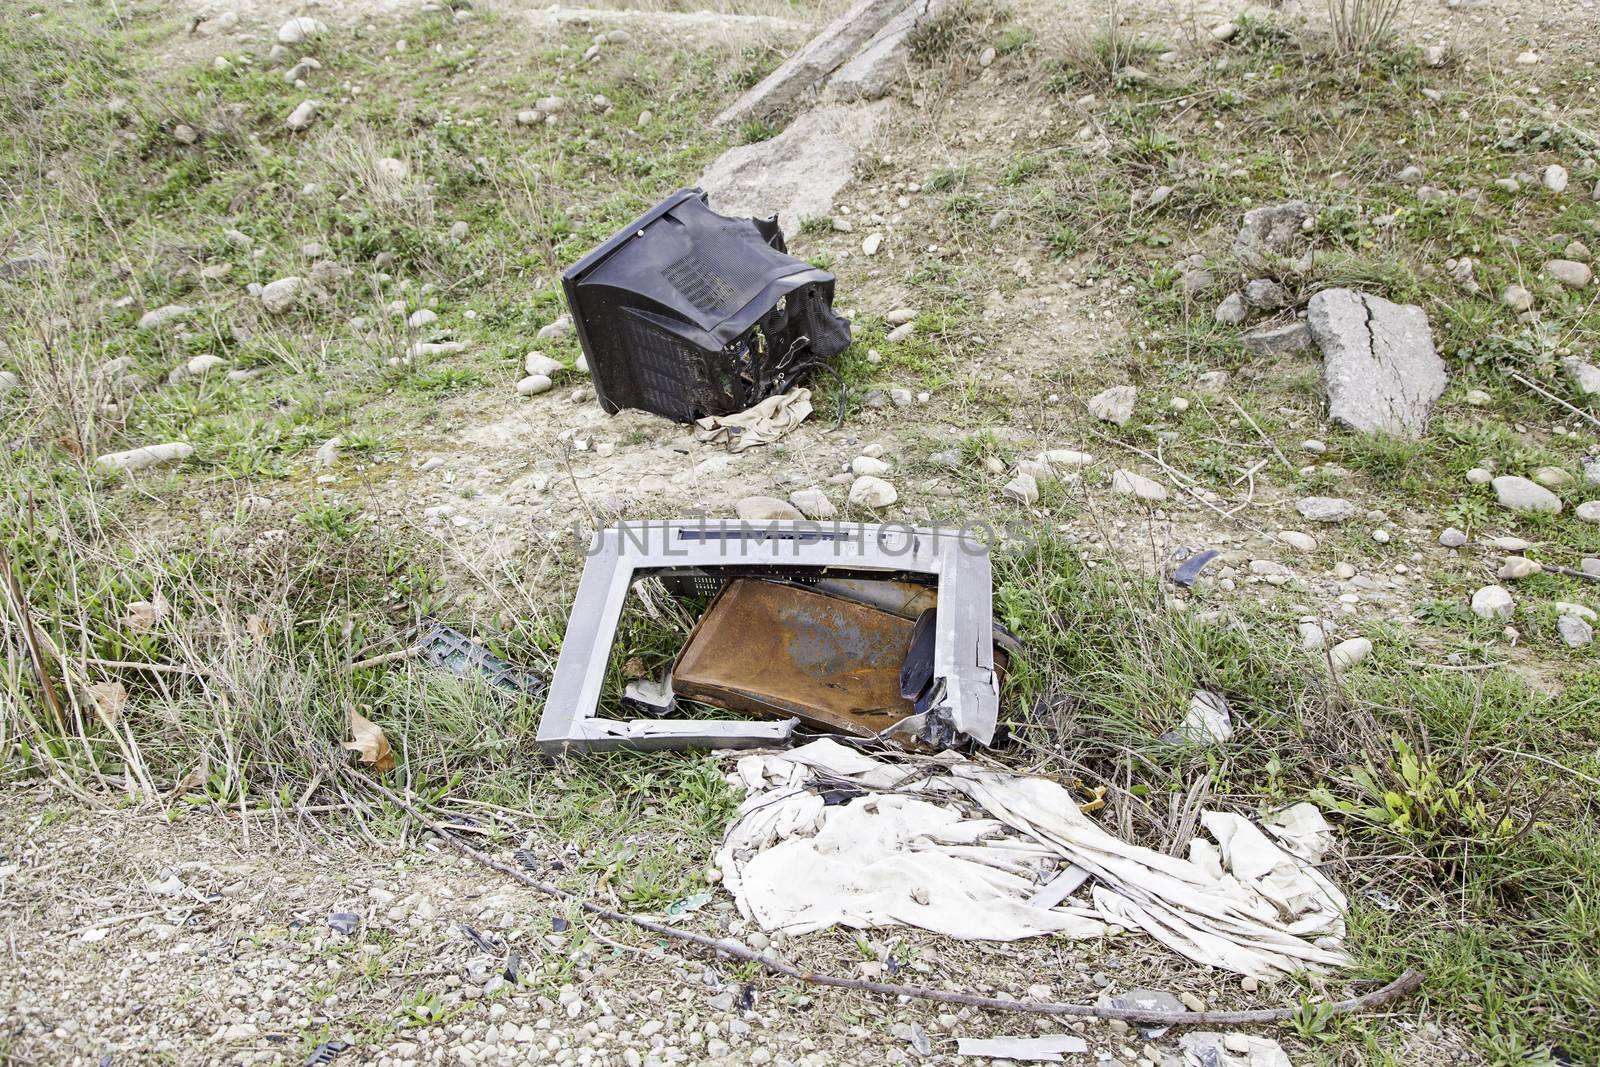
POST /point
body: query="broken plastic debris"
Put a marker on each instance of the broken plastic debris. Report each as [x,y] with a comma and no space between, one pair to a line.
[1208,1049]
[1190,569]
[463,657]
[344,922]
[325,1052]
[1051,1049]
[688,313]
[1207,721]
[653,696]
[692,903]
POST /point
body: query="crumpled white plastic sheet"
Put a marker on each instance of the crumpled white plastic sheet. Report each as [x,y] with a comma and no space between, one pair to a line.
[759,425]
[950,846]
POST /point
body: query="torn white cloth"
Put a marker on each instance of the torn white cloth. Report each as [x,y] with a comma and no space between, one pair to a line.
[962,850]
[760,425]
[1023,1049]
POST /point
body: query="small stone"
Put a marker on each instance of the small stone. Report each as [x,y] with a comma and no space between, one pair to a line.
[1266,294]
[872,492]
[1478,398]
[1527,59]
[1066,459]
[550,104]
[422,317]
[1451,537]
[871,243]
[900,333]
[1554,178]
[1232,310]
[1023,488]
[1114,404]
[1409,175]
[1575,632]
[560,328]
[1180,404]
[529,117]
[1552,477]
[1349,653]
[1381,536]
[1280,341]
[301,70]
[1298,540]
[1249,984]
[1479,476]
[281,296]
[1588,511]
[393,169]
[1569,272]
[1514,567]
[302,115]
[1576,250]
[328,454]
[900,316]
[765,508]
[1517,297]
[1130,484]
[458,231]
[184,134]
[1520,494]
[539,363]
[1493,602]
[1314,446]
[1313,634]
[868,465]
[1435,55]
[534,384]
[1224,31]
[136,459]
[300,29]
[1344,571]
[1325,508]
[159,317]
[813,503]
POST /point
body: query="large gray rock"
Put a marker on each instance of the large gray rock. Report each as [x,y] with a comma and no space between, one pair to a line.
[1586,376]
[883,61]
[797,172]
[1379,366]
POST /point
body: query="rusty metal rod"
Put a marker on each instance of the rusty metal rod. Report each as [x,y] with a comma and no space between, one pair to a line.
[1407,983]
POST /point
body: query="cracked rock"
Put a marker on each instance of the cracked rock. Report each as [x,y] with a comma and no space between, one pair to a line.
[1379,365]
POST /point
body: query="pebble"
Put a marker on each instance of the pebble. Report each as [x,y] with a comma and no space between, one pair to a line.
[900,316]
[561,327]
[160,316]
[300,29]
[868,465]
[302,115]
[1513,567]
[871,492]
[422,317]
[1023,488]
[1520,494]
[1569,272]
[1344,571]
[1493,602]
[185,134]
[1517,298]
[1554,178]
[901,332]
[813,503]
[1451,537]
[1066,458]
[765,508]
[534,384]
[1588,511]
[539,363]
[1479,399]
[1325,508]
[281,296]
[871,243]
[1575,632]
[1480,476]
[136,459]
[1351,652]
[1381,536]
[550,104]
[1313,634]
[1295,539]
[1232,310]
[1129,483]
[1114,405]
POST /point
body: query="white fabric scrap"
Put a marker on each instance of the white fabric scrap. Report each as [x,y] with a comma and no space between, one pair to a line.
[1302,830]
[760,425]
[962,850]
[1023,1049]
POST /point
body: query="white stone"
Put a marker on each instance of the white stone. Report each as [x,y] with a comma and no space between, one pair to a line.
[813,503]
[868,465]
[534,384]
[300,29]
[160,316]
[539,363]
[1555,178]
[1514,567]
[765,509]
[136,459]
[1325,508]
[1588,511]
[1129,483]
[1349,653]
[1493,602]
[1303,542]
[1023,487]
[1114,404]
[871,243]
[561,327]
[1520,494]
[1066,458]
[900,333]
[302,115]
[1575,632]
[422,317]
[872,492]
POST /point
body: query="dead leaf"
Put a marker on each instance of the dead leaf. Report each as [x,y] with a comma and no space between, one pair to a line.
[368,740]
[633,668]
[144,614]
[108,699]
[258,626]
[195,778]
[70,443]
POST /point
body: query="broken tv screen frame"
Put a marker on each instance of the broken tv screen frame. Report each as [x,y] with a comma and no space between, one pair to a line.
[965,700]
[687,313]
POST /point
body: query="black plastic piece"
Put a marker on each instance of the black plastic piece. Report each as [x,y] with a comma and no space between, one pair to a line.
[457,653]
[688,313]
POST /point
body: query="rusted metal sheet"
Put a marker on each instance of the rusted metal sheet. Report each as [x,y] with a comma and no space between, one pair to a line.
[780,650]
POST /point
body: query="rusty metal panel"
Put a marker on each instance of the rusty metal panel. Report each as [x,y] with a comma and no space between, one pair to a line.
[779,650]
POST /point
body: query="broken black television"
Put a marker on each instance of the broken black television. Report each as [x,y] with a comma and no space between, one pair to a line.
[688,313]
